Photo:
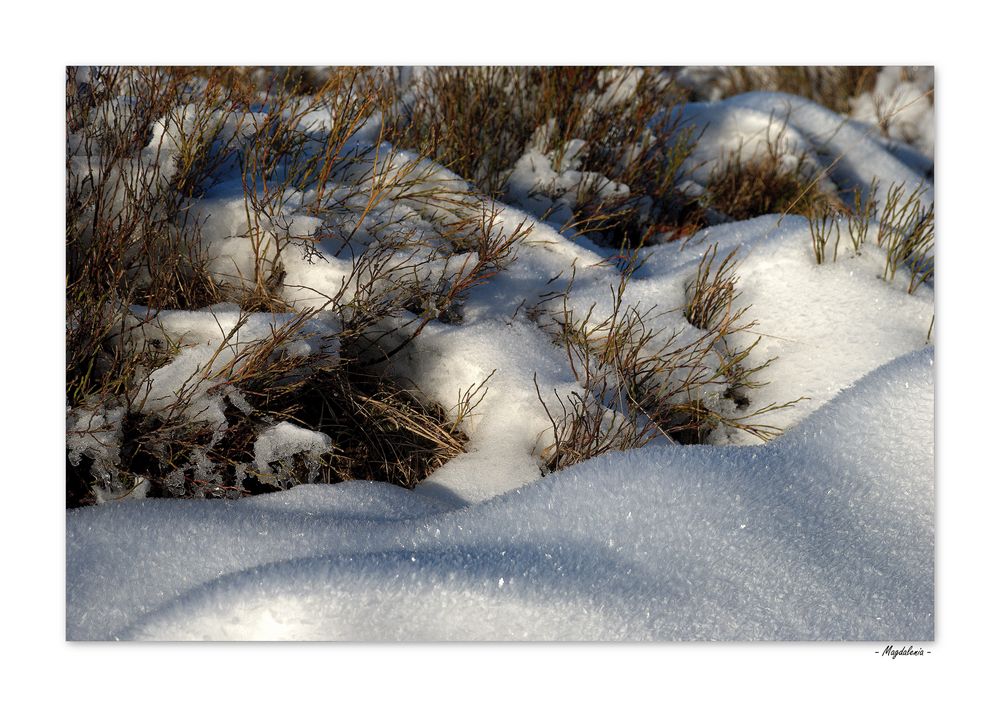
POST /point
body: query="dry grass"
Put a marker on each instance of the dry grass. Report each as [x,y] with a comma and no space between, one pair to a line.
[822,224]
[144,144]
[128,239]
[771,183]
[478,121]
[831,86]
[379,432]
[904,229]
[132,241]
[712,293]
[641,381]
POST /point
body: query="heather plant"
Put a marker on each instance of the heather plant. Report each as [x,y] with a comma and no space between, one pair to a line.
[831,86]
[572,114]
[772,183]
[205,190]
[903,229]
[640,378]
[144,146]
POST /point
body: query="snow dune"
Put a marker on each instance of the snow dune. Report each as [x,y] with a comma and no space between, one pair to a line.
[826,533]
[852,152]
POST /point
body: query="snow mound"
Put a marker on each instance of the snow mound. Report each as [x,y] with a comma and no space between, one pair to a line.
[821,327]
[826,533]
[902,100]
[851,151]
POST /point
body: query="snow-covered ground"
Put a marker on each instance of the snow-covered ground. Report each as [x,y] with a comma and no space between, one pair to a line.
[826,532]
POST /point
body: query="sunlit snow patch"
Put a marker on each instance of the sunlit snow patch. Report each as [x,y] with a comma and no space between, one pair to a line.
[825,534]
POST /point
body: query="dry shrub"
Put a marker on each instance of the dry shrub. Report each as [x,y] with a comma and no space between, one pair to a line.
[473,120]
[478,121]
[128,239]
[132,242]
[640,381]
[770,183]
[831,86]
[904,229]
[712,293]
[378,430]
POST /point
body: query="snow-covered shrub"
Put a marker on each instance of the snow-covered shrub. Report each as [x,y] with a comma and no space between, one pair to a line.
[645,376]
[267,288]
[831,86]
[231,250]
[901,104]
[253,249]
[772,181]
[594,150]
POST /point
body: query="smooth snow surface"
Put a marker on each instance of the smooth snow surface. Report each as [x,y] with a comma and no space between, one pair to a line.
[827,533]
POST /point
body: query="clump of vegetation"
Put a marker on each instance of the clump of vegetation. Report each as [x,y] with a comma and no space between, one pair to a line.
[712,293]
[377,429]
[493,114]
[860,216]
[143,145]
[904,229]
[769,184]
[822,223]
[639,380]
[831,86]
[147,145]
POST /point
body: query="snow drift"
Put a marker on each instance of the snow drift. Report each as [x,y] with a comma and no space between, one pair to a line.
[826,533]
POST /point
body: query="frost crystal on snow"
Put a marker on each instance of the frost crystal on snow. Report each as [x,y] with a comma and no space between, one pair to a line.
[96,434]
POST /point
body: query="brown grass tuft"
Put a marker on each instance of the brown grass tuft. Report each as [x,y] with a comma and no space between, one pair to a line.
[831,86]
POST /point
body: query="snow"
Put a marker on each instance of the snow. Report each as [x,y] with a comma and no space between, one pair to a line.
[283,440]
[210,344]
[903,98]
[900,106]
[538,187]
[826,533]
[824,327]
[506,426]
[747,122]
[96,433]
